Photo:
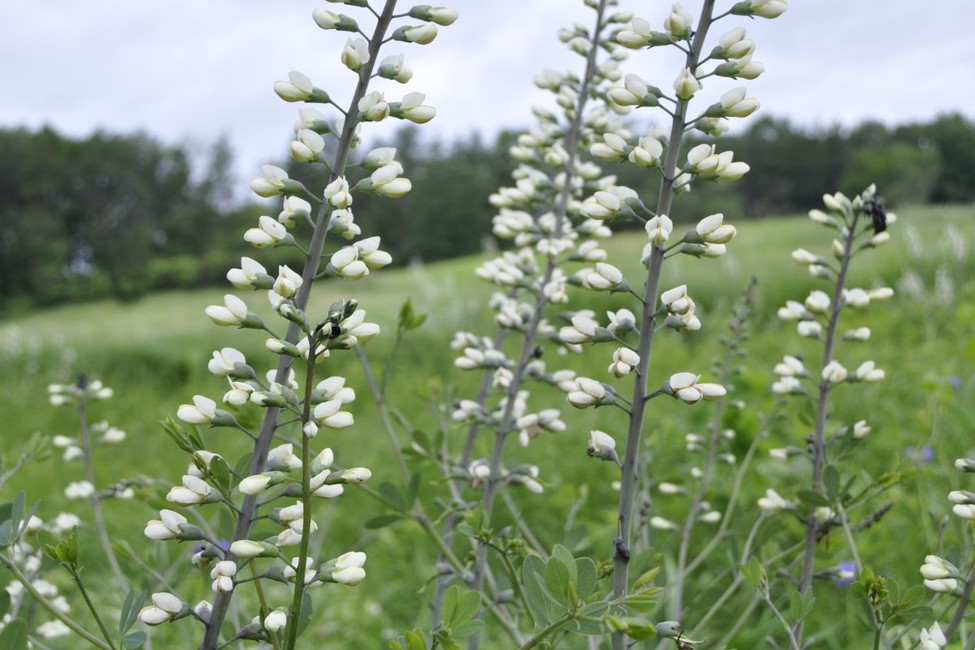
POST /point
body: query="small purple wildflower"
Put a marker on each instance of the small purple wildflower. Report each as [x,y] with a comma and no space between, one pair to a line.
[955,382]
[844,574]
[921,457]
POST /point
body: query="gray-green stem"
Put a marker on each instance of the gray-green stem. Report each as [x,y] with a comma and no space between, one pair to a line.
[628,477]
[379,397]
[822,412]
[95,500]
[91,607]
[964,601]
[528,344]
[46,604]
[248,508]
[704,483]
[296,602]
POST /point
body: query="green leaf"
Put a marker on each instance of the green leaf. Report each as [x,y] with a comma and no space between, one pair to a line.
[450,603]
[392,496]
[589,627]
[916,613]
[466,629]
[26,518]
[130,610]
[220,472]
[644,601]
[467,605]
[304,617]
[134,640]
[813,498]
[565,556]
[415,639]
[912,597]
[558,581]
[243,464]
[414,488]
[645,578]
[831,481]
[632,627]
[754,572]
[585,577]
[177,433]
[10,530]
[543,605]
[6,533]
[381,521]
[801,604]
[4,602]
[14,635]
[408,318]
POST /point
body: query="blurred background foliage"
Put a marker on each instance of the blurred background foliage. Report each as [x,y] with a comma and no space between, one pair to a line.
[117,216]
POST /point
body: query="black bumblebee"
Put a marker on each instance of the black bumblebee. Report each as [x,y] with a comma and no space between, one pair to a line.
[874,206]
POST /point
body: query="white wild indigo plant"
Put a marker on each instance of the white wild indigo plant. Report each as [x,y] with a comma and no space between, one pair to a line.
[495,584]
[271,493]
[33,594]
[840,496]
[949,581]
[554,214]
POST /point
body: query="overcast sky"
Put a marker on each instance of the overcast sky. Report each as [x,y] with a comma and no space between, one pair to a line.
[199,69]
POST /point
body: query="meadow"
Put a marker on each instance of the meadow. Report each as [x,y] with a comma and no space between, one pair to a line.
[153,353]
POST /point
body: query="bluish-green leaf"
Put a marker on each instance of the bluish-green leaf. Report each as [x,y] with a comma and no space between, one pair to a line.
[130,610]
[134,640]
[14,635]
[558,581]
[543,605]
[831,481]
[381,521]
[392,496]
[414,489]
[585,577]
[220,472]
[813,498]
[304,618]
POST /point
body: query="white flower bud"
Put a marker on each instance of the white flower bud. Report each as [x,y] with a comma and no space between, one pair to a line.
[834,372]
[773,502]
[276,620]
[686,85]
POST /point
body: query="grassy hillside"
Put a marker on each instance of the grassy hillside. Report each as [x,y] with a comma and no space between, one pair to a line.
[153,352]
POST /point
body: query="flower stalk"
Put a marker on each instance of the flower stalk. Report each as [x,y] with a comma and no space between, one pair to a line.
[651,288]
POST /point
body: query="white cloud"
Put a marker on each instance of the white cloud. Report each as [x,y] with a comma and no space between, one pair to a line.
[198,70]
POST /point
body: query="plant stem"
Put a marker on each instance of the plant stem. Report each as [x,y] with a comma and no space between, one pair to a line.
[628,478]
[265,610]
[548,629]
[95,500]
[505,426]
[379,397]
[728,366]
[92,608]
[963,603]
[46,604]
[458,566]
[248,508]
[793,642]
[818,442]
[299,592]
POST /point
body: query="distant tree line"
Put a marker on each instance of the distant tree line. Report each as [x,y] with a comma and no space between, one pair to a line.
[119,215]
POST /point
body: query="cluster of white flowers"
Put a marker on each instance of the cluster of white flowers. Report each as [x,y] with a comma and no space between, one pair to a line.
[292,470]
[943,577]
[28,558]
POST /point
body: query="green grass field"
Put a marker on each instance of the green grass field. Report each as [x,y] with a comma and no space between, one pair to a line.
[154,351]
